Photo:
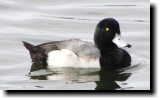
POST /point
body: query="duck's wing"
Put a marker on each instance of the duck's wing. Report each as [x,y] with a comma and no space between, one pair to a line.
[79,47]
[50,46]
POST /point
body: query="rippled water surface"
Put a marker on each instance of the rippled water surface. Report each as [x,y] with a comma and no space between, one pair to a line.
[39,21]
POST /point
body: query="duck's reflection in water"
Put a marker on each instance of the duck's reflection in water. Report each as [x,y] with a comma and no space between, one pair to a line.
[37,67]
[104,79]
[108,79]
[41,72]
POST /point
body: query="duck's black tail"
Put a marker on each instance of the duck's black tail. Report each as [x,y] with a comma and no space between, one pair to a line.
[37,53]
[28,46]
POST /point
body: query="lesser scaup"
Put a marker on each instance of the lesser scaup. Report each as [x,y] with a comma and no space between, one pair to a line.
[103,53]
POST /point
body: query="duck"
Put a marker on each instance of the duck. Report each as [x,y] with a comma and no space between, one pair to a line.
[105,52]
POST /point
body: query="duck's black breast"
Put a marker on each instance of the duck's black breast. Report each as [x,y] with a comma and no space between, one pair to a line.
[114,59]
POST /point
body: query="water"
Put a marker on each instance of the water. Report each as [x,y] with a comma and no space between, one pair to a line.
[39,21]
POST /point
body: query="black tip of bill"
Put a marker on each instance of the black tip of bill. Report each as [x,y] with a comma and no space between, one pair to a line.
[129,46]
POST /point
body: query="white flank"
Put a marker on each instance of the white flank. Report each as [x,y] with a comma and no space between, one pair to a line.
[62,58]
[66,58]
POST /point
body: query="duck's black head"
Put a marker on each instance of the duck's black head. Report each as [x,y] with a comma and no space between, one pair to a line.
[107,35]
[107,39]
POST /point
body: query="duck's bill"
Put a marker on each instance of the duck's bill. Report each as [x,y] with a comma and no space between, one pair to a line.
[119,42]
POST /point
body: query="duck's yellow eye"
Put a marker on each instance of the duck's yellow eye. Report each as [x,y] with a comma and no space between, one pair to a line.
[107,29]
